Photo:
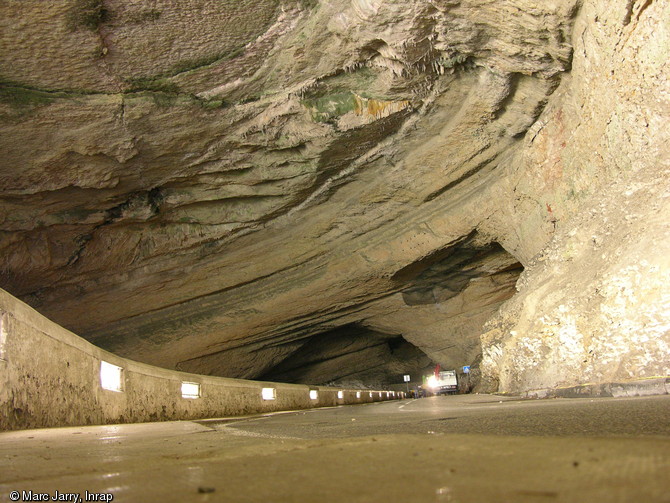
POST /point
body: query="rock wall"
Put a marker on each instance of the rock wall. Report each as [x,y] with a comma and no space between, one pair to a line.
[209,187]
[593,304]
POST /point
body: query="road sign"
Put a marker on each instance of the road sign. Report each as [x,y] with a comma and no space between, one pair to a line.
[466,370]
[406,377]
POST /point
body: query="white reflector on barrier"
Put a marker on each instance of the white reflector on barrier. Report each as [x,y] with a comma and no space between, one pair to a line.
[313,394]
[269,393]
[190,390]
[110,376]
[340,395]
[358,394]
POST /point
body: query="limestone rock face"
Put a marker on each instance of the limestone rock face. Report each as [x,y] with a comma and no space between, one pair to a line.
[594,304]
[284,188]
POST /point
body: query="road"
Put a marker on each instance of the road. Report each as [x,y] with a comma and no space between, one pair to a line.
[473,414]
[442,449]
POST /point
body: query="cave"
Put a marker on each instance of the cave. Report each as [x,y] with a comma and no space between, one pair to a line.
[343,192]
[352,356]
[335,250]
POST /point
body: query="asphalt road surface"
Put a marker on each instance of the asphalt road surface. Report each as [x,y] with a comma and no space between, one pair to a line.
[471,414]
[457,449]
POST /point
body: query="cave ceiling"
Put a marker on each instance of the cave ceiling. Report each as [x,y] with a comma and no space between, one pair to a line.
[211,187]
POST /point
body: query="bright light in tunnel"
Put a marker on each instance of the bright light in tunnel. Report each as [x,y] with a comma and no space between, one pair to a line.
[190,390]
[110,376]
[269,393]
[313,394]
[358,394]
[370,394]
[340,395]
[432,382]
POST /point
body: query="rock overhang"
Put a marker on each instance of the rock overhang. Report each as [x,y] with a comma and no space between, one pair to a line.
[212,202]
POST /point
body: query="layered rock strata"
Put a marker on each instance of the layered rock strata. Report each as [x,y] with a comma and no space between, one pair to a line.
[209,187]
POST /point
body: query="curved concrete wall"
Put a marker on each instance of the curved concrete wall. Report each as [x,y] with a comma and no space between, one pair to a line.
[51,377]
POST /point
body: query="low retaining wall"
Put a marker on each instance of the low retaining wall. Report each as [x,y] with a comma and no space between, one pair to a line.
[638,387]
[51,377]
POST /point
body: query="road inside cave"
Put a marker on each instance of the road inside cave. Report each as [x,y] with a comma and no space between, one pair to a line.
[470,414]
[439,449]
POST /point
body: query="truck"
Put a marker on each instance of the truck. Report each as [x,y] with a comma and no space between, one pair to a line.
[443,382]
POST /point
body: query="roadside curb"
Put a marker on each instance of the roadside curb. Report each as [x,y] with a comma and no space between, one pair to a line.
[640,387]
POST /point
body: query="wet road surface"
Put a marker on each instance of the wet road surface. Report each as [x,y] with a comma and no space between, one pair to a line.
[472,448]
[474,414]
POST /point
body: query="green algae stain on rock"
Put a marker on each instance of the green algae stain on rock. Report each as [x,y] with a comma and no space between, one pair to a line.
[329,107]
[21,97]
[87,14]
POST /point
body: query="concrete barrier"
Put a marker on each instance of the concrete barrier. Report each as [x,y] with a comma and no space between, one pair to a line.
[52,377]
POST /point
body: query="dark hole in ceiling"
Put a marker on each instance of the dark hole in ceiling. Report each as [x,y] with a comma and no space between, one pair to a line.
[446,273]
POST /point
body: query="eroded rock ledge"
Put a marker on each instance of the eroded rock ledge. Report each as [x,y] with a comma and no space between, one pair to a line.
[216,187]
